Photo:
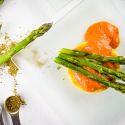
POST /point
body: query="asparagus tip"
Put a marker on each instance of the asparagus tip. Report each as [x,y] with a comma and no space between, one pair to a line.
[49,25]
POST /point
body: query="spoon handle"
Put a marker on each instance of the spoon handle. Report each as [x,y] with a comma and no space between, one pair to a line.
[15,119]
[1,120]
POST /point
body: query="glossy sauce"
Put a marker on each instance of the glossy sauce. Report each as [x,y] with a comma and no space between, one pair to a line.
[100,38]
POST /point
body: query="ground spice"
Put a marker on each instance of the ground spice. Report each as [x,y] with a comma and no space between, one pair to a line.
[37,60]
[58,67]
[14,87]
[6,45]
[12,68]
[13,103]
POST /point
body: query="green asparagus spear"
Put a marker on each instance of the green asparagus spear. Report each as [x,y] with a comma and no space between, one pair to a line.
[118,86]
[21,45]
[86,62]
[1,2]
[117,59]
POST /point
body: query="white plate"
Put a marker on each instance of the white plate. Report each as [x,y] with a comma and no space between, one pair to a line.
[50,96]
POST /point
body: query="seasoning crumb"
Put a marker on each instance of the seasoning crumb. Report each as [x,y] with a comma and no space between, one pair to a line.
[6,45]
[37,58]
[0,26]
[12,68]
[63,79]
[14,87]
[58,67]
[22,101]
[45,53]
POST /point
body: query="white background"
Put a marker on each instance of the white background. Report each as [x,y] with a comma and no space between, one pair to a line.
[50,96]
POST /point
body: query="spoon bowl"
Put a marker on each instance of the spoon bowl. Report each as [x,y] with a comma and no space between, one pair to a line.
[12,105]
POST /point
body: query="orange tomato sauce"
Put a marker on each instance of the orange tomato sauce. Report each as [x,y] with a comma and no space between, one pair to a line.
[101,38]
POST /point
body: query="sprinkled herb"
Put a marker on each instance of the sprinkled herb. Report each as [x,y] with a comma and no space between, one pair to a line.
[63,79]
[58,67]
[12,68]
[7,44]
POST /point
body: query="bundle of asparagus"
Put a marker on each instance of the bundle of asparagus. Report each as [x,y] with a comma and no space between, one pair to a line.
[75,60]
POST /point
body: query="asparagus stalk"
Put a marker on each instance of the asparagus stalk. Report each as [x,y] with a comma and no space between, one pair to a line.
[86,62]
[1,2]
[117,59]
[21,45]
[118,86]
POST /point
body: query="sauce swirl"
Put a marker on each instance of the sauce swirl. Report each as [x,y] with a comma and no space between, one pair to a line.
[101,38]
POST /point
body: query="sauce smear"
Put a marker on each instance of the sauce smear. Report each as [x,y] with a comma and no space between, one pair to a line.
[101,38]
